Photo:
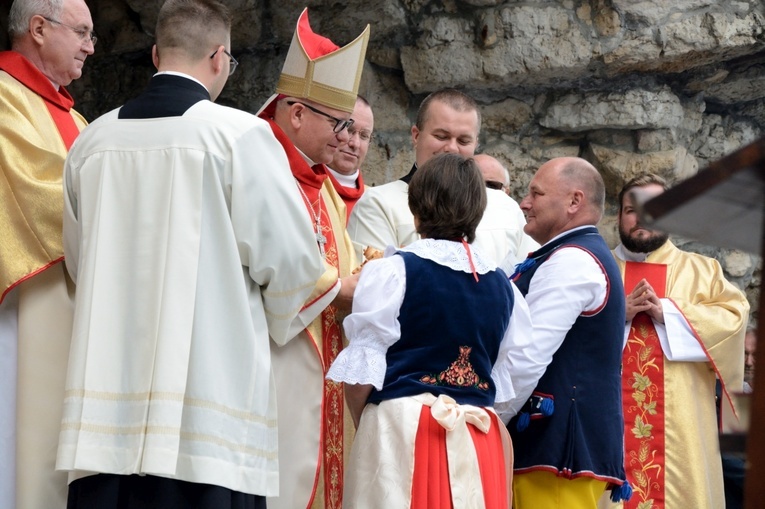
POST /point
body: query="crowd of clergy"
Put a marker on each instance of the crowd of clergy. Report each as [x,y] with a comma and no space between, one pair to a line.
[206,308]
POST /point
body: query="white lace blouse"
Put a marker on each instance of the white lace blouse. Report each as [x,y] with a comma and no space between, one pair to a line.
[373,325]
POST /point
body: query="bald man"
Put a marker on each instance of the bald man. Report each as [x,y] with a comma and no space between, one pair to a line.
[568,436]
[501,209]
[494,173]
[502,215]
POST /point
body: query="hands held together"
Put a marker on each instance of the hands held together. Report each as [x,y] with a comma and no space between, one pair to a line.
[644,298]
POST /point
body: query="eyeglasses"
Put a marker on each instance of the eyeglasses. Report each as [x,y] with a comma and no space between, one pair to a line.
[232,61]
[340,124]
[82,33]
[364,136]
[493,184]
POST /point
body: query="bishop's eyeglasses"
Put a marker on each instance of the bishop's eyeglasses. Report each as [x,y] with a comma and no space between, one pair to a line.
[83,33]
[340,124]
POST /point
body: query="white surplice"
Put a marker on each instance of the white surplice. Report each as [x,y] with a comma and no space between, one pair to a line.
[382,218]
[187,255]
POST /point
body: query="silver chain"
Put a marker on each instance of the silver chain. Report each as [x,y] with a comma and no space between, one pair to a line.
[320,238]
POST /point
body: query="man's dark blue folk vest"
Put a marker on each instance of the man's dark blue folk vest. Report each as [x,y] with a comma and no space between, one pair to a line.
[584,436]
[451,329]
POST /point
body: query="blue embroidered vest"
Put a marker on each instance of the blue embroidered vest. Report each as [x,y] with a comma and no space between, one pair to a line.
[584,436]
[451,329]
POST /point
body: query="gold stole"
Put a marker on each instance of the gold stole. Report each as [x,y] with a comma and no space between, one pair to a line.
[643,396]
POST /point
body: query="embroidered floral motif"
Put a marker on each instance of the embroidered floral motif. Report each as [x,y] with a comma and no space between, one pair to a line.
[460,373]
[330,485]
[333,416]
[645,454]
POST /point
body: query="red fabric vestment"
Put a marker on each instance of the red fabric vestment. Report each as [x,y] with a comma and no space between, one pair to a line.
[643,395]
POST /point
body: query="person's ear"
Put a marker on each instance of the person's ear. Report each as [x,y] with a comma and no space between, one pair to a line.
[37,28]
[415,135]
[155,56]
[576,200]
[297,112]
[216,63]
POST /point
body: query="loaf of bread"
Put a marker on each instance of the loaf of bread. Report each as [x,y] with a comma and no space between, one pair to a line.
[370,253]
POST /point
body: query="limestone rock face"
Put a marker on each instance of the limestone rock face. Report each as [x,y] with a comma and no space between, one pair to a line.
[744,86]
[632,85]
[618,166]
[632,109]
[529,45]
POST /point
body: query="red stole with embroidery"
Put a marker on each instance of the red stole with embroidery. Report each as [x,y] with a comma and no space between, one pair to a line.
[330,343]
[58,102]
[643,395]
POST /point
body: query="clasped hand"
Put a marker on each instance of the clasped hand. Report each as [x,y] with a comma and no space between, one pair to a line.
[643,298]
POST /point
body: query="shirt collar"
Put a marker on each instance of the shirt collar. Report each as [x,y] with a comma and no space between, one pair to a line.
[345,180]
[628,256]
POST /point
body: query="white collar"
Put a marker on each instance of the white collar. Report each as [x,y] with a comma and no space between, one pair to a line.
[628,256]
[448,254]
[346,180]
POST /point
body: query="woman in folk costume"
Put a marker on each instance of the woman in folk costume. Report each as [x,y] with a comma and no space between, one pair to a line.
[433,335]
[309,116]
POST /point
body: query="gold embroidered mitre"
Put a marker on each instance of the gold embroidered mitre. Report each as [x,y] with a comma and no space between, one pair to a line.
[316,69]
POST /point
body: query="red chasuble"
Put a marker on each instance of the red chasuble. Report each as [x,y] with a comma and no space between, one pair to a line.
[327,337]
[643,395]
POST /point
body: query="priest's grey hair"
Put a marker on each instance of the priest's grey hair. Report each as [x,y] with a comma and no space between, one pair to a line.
[23,10]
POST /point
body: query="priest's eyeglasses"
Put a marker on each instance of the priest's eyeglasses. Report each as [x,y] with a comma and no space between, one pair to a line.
[493,184]
[365,136]
[232,61]
[82,33]
[340,124]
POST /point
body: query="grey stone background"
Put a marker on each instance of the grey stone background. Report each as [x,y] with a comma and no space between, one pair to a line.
[631,85]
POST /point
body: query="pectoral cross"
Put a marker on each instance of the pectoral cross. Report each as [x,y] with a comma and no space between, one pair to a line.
[320,238]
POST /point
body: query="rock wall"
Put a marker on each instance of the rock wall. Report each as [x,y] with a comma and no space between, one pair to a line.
[631,85]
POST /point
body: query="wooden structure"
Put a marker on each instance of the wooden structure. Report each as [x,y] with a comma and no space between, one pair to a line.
[724,205]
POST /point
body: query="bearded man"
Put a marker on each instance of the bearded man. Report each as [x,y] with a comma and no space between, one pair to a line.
[684,328]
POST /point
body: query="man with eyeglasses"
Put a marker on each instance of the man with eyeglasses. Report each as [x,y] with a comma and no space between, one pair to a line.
[345,169]
[310,115]
[190,248]
[50,41]
[495,175]
[503,208]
